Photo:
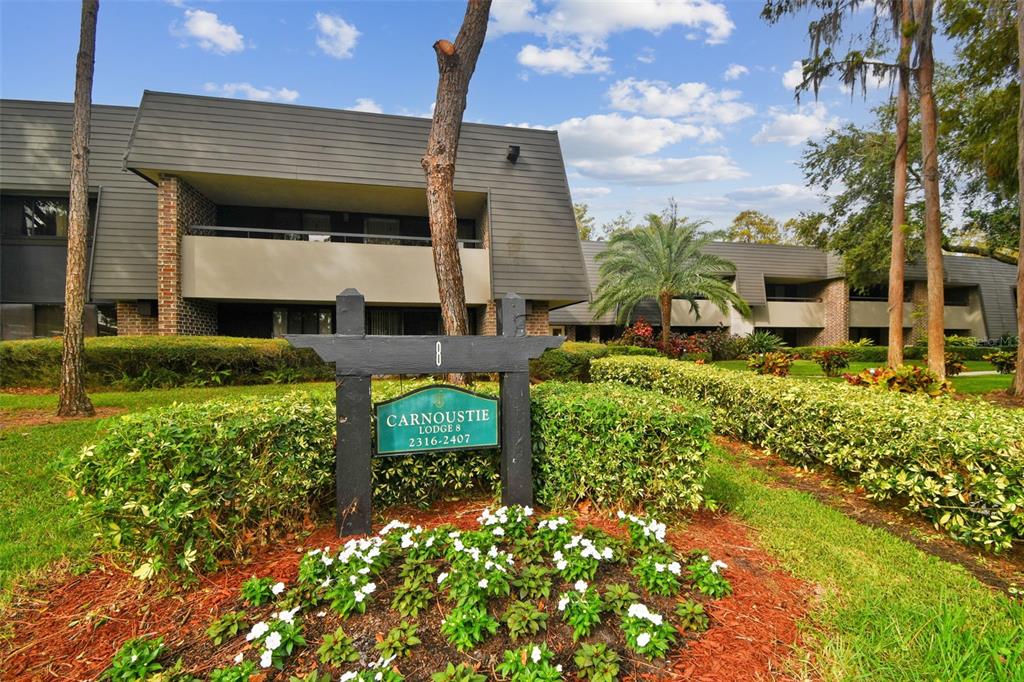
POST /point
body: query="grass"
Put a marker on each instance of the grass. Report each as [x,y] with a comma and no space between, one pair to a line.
[888,611]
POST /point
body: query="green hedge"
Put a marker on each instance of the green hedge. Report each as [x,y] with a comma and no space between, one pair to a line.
[571,361]
[958,463]
[140,362]
[880,353]
[188,486]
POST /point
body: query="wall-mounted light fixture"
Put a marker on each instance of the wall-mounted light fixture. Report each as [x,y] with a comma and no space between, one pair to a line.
[513,153]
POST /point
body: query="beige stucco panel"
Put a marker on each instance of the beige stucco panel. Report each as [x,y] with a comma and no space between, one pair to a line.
[790,314]
[229,268]
[710,315]
[876,314]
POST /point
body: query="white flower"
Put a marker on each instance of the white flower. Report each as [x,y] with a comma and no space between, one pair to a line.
[659,568]
[655,618]
[353,579]
[359,597]
[643,639]
[364,570]
[440,578]
[239,657]
[321,614]
[378,677]
[562,603]
[272,641]
[581,586]
[369,588]
[326,582]
[278,588]
[675,568]
[258,630]
[351,675]
[482,584]
[327,560]
[535,654]
[498,530]
[288,616]
[718,565]
[266,659]
[621,514]
[561,564]
[558,667]
[135,657]
[607,553]
[527,511]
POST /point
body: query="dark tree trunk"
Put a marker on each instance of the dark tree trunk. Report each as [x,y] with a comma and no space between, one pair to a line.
[899,195]
[665,304]
[1018,378]
[930,180]
[73,400]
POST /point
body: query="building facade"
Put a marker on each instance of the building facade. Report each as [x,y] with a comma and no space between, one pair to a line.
[799,294]
[219,216]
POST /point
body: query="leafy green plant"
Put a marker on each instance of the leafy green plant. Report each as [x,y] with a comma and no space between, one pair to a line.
[646,534]
[240,672]
[257,591]
[523,618]
[658,574]
[468,625]
[691,616]
[832,360]
[413,595]
[278,639]
[581,609]
[618,597]
[647,633]
[399,641]
[957,341]
[135,660]
[775,364]
[902,379]
[533,582]
[347,597]
[954,364]
[1004,361]
[531,663]
[597,663]
[462,672]
[226,627]
[706,575]
[336,649]
[762,342]
[580,557]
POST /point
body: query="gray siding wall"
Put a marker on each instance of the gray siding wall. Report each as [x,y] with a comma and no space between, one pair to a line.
[534,247]
[35,156]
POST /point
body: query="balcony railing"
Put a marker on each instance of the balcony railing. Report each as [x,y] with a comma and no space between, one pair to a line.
[315,236]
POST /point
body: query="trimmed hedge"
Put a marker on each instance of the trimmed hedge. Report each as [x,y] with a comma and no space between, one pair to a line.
[571,361]
[141,362]
[958,463]
[186,487]
[880,353]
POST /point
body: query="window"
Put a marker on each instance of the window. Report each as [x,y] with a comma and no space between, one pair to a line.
[39,216]
[49,321]
[957,296]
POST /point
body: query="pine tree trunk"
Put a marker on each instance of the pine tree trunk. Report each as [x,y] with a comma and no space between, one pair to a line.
[1018,377]
[930,180]
[665,304]
[73,400]
[899,196]
[455,65]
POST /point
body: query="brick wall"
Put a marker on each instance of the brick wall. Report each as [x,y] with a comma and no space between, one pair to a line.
[489,320]
[918,311]
[180,205]
[130,323]
[835,296]
[537,322]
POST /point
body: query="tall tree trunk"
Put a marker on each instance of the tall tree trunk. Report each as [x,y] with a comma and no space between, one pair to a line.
[455,66]
[930,181]
[1018,378]
[73,400]
[665,305]
[899,194]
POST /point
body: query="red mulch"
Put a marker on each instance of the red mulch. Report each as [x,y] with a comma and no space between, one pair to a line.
[10,419]
[70,628]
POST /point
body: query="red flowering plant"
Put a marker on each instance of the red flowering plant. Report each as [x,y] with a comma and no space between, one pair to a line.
[639,334]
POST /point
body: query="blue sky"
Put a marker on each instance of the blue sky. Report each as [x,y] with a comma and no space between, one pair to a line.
[652,98]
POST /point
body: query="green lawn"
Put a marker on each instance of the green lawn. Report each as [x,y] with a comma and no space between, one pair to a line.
[976,384]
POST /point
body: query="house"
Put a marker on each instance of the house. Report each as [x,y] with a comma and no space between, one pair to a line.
[222,216]
[799,293]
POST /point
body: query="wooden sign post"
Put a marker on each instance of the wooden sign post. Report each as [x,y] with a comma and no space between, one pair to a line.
[357,357]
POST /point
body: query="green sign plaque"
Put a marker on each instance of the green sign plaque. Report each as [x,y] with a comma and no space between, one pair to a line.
[437,418]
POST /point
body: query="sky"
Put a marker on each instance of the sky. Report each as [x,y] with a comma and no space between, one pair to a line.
[690,99]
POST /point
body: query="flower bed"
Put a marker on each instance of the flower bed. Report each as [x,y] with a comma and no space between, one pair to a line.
[515,598]
[960,464]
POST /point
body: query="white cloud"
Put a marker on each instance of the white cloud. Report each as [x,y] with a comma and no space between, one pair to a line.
[366,104]
[584,192]
[696,102]
[735,71]
[250,91]
[603,136]
[792,78]
[595,21]
[644,170]
[335,36]
[807,122]
[563,60]
[784,192]
[646,55]
[210,32]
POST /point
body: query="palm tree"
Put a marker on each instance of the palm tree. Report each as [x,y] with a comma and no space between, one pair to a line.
[664,260]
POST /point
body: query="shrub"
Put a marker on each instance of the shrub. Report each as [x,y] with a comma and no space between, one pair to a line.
[722,345]
[903,379]
[762,342]
[571,361]
[776,364]
[639,334]
[1004,361]
[958,463]
[832,360]
[954,364]
[142,362]
[617,446]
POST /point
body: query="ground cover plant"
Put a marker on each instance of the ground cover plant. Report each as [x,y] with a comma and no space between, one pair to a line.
[959,464]
[340,616]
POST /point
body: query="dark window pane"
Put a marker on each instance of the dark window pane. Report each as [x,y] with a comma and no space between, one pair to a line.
[49,320]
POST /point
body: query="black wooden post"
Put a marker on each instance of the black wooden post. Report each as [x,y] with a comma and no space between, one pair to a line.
[352,454]
[516,455]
